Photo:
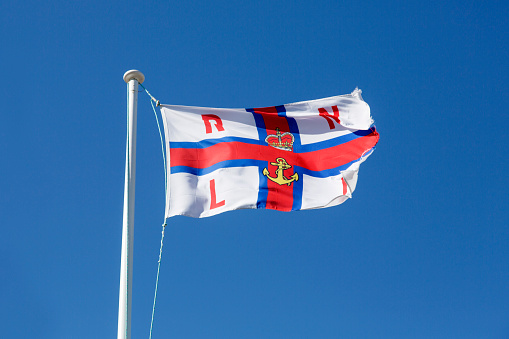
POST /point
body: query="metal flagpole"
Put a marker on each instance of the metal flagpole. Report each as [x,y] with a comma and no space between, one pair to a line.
[132,78]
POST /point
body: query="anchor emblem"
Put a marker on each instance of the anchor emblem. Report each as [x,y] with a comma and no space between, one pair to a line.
[280,178]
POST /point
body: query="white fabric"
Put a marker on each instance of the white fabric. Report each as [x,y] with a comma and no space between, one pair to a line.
[189,194]
[354,114]
[323,192]
[237,186]
[236,123]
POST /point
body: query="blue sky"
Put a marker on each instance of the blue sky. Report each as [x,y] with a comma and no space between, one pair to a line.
[421,251]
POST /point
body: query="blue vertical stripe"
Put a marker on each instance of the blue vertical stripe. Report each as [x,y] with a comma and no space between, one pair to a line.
[292,123]
[263,190]
[260,124]
[281,110]
[297,190]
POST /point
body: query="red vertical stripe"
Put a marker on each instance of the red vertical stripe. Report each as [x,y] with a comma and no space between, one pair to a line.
[279,197]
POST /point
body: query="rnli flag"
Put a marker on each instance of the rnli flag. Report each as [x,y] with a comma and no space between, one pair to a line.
[297,156]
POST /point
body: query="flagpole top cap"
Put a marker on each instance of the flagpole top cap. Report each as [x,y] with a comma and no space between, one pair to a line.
[134,74]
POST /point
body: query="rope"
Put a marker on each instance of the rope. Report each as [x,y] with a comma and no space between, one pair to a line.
[157,280]
[151,97]
[160,135]
[162,146]
[165,191]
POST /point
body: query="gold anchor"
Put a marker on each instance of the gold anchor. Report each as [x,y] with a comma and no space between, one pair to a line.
[280,178]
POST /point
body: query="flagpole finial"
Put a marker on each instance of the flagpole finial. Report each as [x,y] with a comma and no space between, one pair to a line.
[134,74]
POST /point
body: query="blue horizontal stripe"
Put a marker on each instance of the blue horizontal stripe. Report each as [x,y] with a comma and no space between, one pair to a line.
[211,142]
[298,185]
[301,149]
[222,164]
[334,141]
[332,171]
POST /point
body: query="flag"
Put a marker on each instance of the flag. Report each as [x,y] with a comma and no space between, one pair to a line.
[290,157]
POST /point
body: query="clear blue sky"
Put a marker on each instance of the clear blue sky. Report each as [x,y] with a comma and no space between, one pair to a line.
[421,251]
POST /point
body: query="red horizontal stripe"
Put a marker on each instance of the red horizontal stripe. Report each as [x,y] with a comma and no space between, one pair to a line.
[315,161]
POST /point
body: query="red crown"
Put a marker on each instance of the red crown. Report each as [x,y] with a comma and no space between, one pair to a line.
[281,141]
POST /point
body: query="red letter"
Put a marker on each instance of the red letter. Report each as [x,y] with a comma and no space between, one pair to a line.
[330,117]
[208,126]
[213,203]
[345,189]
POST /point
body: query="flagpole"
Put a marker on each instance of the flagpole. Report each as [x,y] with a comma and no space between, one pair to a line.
[132,78]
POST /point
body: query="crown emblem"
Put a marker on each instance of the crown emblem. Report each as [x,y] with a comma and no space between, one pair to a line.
[283,141]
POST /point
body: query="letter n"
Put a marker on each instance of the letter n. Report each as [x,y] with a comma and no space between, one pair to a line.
[213,202]
[330,117]
[208,125]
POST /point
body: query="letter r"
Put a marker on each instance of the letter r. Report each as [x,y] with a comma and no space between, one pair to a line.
[208,125]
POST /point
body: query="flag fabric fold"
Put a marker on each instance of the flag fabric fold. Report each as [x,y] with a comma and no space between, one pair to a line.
[296,156]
